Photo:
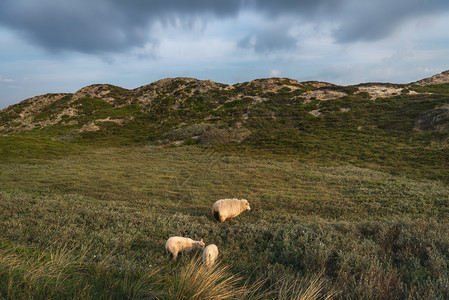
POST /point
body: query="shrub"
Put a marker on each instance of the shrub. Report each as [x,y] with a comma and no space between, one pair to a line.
[221,136]
[186,132]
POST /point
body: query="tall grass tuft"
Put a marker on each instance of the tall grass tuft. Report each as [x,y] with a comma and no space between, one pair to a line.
[197,281]
[61,274]
[308,288]
[50,275]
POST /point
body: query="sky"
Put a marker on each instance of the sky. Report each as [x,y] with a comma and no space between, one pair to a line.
[52,46]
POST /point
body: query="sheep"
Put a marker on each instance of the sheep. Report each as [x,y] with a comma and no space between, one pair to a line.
[210,254]
[176,244]
[229,208]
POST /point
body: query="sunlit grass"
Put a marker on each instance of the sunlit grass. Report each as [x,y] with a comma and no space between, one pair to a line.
[109,212]
[312,288]
[194,178]
[195,280]
[64,273]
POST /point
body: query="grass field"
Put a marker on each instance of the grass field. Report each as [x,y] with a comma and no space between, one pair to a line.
[91,222]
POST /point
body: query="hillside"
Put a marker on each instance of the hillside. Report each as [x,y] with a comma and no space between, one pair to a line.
[94,107]
[391,126]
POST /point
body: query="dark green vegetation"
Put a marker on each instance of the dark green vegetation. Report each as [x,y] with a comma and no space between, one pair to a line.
[349,194]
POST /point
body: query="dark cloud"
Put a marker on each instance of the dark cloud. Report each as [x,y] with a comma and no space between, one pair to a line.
[107,26]
[375,20]
[101,25]
[266,41]
[303,8]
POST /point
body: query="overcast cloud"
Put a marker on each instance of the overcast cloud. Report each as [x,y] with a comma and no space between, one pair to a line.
[62,45]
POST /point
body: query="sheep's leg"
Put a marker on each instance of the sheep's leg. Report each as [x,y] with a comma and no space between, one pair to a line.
[208,260]
[174,254]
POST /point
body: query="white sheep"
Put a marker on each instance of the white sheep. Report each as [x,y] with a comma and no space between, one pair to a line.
[229,208]
[176,244]
[210,254]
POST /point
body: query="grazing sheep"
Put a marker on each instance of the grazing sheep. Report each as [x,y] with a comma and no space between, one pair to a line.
[210,254]
[229,208]
[176,244]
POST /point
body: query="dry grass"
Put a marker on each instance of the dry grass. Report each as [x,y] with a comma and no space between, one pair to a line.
[309,288]
[61,273]
[44,275]
[197,281]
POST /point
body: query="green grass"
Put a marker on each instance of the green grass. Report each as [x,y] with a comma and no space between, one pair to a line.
[366,233]
[26,148]
[435,88]
[62,274]
[350,204]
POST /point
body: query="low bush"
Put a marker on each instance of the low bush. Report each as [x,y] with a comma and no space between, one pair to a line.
[186,132]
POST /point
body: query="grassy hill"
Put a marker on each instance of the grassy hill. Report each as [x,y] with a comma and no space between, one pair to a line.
[391,127]
[348,189]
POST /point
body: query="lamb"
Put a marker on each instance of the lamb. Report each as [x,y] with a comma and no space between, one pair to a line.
[210,254]
[229,208]
[176,244]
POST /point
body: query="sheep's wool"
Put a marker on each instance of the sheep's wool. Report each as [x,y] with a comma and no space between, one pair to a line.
[229,208]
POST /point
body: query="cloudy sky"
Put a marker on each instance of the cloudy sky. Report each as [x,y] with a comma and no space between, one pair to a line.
[64,45]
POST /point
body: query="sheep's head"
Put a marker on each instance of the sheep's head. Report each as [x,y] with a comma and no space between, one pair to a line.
[200,244]
[246,204]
